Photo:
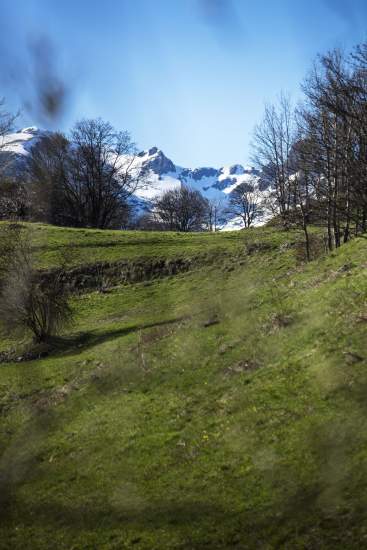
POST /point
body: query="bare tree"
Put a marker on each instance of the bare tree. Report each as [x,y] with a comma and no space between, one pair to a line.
[6,126]
[14,199]
[272,145]
[27,302]
[6,122]
[50,180]
[12,194]
[215,210]
[245,202]
[316,158]
[104,168]
[86,180]
[335,122]
[181,209]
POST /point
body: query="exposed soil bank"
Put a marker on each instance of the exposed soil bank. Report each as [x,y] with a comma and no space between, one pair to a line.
[103,275]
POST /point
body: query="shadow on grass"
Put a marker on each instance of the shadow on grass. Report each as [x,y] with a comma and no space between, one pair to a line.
[64,345]
[93,516]
[198,524]
[86,340]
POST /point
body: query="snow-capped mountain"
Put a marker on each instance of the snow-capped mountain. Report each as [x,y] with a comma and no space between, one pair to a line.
[214,184]
[161,175]
[20,142]
[16,146]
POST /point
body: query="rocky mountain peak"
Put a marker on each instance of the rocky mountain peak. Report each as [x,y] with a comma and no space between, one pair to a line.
[154,159]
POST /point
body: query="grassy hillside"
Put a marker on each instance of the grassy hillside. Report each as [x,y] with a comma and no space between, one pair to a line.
[221,408]
[83,246]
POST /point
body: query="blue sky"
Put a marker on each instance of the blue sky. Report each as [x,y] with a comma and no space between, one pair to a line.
[190,76]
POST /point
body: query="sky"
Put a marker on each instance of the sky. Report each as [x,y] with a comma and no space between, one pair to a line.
[188,76]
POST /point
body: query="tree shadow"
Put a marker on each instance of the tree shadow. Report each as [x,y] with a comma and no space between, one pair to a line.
[78,343]
[85,340]
[198,523]
[91,515]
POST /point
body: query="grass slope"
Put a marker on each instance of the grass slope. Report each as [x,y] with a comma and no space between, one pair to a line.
[222,408]
[84,246]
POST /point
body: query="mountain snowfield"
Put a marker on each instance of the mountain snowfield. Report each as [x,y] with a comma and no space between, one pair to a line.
[162,174]
[20,142]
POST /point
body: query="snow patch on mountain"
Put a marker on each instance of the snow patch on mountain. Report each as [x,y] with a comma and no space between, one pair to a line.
[20,142]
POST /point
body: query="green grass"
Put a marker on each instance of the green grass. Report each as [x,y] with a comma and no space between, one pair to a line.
[84,246]
[222,408]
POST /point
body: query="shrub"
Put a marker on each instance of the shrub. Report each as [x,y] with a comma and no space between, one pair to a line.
[27,302]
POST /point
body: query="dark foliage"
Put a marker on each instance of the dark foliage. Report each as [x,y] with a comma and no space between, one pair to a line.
[244,202]
[86,179]
[14,200]
[315,157]
[181,209]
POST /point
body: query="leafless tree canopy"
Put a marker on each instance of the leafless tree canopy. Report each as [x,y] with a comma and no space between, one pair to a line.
[6,121]
[245,202]
[316,156]
[26,302]
[86,179]
[13,199]
[215,211]
[272,145]
[181,209]
[333,124]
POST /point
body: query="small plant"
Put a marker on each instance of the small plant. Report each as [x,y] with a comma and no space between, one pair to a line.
[101,279]
[10,235]
[29,302]
[281,316]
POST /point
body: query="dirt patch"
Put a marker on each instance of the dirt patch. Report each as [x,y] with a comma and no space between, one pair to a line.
[154,335]
[362,318]
[258,246]
[352,358]
[227,347]
[277,321]
[243,366]
[44,400]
